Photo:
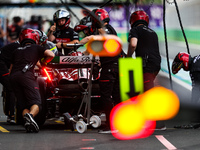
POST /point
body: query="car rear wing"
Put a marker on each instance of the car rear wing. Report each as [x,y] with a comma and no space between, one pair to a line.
[72,62]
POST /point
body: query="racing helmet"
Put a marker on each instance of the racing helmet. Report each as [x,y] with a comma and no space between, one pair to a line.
[43,37]
[85,20]
[28,36]
[62,13]
[84,23]
[83,28]
[138,17]
[182,60]
[102,14]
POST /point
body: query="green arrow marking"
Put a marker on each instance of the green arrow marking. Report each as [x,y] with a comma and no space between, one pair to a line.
[131,77]
[132,91]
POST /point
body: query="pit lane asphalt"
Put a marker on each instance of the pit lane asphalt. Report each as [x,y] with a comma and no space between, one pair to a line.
[54,136]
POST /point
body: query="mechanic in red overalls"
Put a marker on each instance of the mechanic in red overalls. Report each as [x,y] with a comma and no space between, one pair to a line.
[61,33]
[23,79]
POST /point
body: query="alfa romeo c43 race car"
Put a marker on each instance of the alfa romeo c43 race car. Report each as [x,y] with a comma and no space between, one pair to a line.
[69,89]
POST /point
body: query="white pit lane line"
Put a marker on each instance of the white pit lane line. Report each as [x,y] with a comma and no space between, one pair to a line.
[165,142]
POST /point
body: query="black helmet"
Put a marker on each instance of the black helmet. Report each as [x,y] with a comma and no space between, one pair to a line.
[43,37]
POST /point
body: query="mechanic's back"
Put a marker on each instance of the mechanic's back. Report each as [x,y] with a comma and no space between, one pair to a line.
[22,76]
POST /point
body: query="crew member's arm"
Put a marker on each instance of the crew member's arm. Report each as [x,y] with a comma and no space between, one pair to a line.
[38,64]
[84,41]
[64,45]
[132,46]
[11,65]
[49,56]
[75,39]
[50,35]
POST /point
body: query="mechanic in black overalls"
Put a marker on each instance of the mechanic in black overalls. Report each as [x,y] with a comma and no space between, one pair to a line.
[144,42]
[5,61]
[61,33]
[22,76]
[15,29]
[109,77]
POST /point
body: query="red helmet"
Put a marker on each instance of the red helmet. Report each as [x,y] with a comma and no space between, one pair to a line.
[182,60]
[102,14]
[28,36]
[139,16]
[62,13]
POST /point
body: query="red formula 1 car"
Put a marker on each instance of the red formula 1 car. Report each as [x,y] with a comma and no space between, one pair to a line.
[69,88]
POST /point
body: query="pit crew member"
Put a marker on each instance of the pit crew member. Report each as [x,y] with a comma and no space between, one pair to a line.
[5,61]
[61,33]
[144,42]
[109,77]
[22,76]
[191,64]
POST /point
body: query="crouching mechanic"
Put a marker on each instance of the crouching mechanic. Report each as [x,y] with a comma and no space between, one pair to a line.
[191,64]
[22,76]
